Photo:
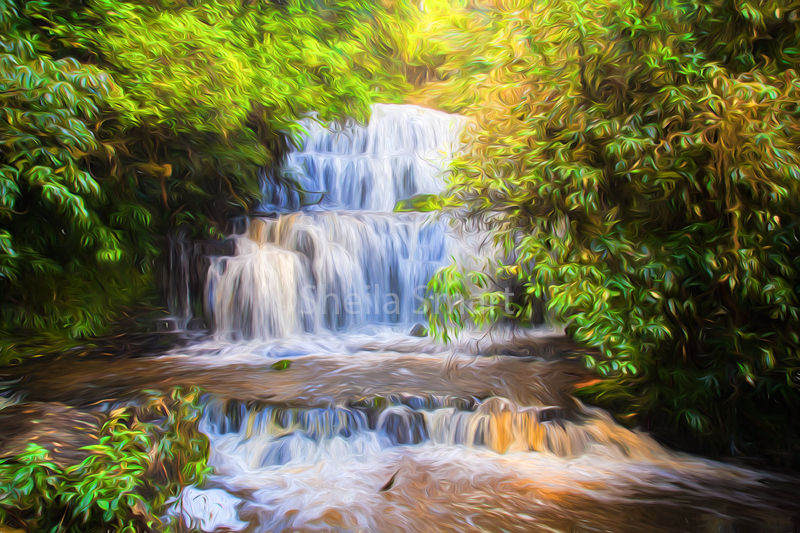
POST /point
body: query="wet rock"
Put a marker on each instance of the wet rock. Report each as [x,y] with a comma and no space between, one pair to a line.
[167,325]
[182,271]
[417,402]
[370,409]
[197,324]
[419,331]
[389,484]
[286,448]
[403,426]
[554,414]
[226,416]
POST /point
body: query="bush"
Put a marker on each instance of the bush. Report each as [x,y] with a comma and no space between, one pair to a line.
[639,164]
[143,456]
[126,121]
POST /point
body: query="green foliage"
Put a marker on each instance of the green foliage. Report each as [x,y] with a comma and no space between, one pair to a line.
[460,297]
[123,121]
[144,456]
[421,202]
[54,232]
[639,163]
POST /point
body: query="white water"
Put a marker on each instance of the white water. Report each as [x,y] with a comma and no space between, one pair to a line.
[307,272]
[441,464]
[347,259]
[336,276]
[401,152]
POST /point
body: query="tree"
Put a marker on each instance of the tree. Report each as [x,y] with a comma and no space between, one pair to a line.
[124,121]
[638,162]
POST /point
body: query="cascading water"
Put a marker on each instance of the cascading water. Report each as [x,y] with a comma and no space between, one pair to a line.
[306,272]
[376,431]
[401,152]
[346,259]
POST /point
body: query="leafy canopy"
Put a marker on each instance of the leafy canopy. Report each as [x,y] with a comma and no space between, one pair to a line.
[124,121]
[638,164]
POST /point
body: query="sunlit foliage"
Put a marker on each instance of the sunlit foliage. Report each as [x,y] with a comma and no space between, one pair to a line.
[639,164]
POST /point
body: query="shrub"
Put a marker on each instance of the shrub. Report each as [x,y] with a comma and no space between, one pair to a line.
[144,455]
[639,165]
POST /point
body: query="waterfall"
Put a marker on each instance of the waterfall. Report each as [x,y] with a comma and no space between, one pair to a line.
[401,152]
[315,468]
[337,256]
[269,436]
[368,428]
[324,407]
[182,275]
